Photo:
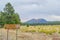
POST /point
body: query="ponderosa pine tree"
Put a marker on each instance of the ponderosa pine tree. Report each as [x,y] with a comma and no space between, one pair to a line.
[10,17]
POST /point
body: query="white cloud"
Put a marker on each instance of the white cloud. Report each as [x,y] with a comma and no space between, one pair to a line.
[55,17]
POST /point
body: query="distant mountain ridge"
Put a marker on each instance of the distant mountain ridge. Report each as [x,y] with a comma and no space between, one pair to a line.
[41,22]
[35,21]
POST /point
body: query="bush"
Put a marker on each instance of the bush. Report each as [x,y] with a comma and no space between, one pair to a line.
[27,25]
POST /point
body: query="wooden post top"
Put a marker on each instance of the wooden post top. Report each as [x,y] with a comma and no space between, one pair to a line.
[12,26]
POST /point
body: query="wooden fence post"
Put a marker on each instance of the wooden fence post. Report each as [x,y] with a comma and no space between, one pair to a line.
[7,33]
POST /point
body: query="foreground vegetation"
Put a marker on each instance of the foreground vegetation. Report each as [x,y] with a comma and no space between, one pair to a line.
[26,35]
[48,29]
[39,32]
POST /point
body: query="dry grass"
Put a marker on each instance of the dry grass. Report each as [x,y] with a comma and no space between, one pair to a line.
[48,29]
[32,33]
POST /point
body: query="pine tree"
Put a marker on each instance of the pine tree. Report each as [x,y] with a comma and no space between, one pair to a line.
[10,16]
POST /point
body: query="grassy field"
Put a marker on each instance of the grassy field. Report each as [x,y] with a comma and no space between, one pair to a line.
[48,29]
[40,32]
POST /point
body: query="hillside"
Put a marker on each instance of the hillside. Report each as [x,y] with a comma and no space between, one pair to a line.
[41,22]
[36,21]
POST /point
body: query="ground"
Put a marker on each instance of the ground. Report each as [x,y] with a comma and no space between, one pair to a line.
[28,35]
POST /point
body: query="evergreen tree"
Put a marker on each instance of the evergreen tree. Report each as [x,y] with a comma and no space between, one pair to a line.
[10,16]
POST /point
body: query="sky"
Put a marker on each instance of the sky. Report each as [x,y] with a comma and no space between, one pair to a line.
[35,9]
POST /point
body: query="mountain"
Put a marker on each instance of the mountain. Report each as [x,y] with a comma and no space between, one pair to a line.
[36,21]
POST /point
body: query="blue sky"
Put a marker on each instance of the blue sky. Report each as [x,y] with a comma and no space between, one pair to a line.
[29,9]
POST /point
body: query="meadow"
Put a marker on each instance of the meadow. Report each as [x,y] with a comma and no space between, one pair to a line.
[39,32]
[48,29]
